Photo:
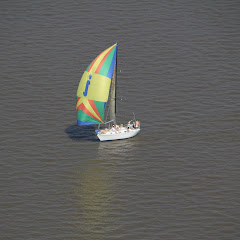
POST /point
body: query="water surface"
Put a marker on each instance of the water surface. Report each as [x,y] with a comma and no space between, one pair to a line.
[179,73]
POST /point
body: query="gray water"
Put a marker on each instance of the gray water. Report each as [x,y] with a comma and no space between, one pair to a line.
[179,68]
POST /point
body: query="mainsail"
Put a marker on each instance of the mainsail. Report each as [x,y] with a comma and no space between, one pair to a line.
[93,89]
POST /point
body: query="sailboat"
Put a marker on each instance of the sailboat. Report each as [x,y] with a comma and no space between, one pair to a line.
[97,87]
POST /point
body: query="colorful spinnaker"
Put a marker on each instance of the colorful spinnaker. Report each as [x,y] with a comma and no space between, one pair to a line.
[93,89]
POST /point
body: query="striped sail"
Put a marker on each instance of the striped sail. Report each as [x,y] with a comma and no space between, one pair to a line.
[93,89]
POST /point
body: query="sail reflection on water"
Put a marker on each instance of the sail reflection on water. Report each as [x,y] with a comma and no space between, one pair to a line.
[97,190]
[95,195]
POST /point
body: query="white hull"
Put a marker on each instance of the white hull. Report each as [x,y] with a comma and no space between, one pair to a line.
[124,134]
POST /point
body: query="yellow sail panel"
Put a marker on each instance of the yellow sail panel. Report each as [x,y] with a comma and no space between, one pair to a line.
[96,86]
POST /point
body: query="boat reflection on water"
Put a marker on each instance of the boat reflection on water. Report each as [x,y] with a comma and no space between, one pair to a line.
[117,150]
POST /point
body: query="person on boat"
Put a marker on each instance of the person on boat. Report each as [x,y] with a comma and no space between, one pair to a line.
[121,128]
[128,126]
[113,128]
[134,125]
[137,124]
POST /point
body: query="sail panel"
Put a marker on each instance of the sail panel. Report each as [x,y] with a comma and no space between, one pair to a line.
[98,59]
[85,119]
[106,65]
[110,63]
[101,107]
[90,110]
[97,89]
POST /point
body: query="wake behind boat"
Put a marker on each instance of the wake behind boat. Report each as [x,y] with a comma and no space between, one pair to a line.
[98,80]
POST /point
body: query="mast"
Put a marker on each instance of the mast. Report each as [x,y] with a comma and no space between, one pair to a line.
[113,102]
[116,89]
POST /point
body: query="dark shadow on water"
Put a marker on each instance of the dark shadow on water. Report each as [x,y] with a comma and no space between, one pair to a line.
[78,133]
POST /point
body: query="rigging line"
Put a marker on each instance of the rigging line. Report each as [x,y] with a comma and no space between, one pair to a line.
[108,121]
[104,123]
